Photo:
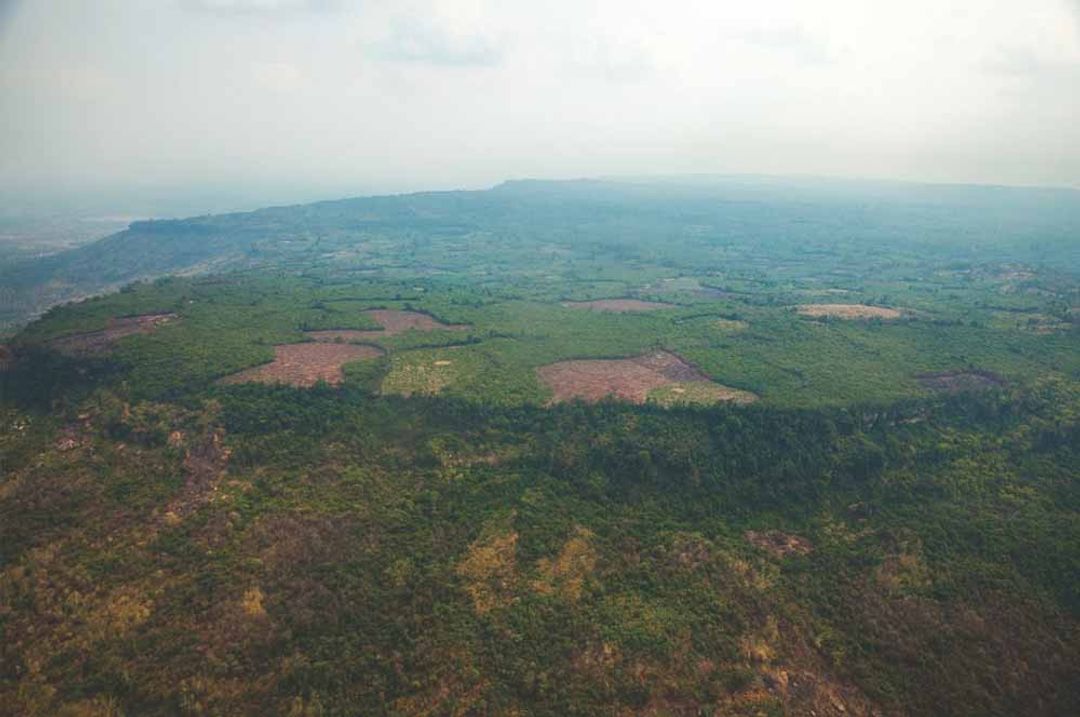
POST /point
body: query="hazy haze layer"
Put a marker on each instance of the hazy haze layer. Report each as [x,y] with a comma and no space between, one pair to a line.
[277,100]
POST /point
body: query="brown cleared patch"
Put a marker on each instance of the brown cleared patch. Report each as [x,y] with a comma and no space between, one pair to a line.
[619,306]
[960,380]
[7,358]
[304,365]
[779,544]
[205,463]
[630,379]
[848,311]
[118,328]
[393,321]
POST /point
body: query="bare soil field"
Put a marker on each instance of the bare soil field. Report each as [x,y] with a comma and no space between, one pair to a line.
[304,365]
[960,380]
[630,379]
[118,328]
[393,321]
[848,311]
[779,544]
[619,306]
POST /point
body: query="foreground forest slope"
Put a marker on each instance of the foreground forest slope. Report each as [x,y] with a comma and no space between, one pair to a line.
[278,551]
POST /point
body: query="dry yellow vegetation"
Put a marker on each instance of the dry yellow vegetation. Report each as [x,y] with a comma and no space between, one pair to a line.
[410,376]
[848,311]
[565,575]
[489,571]
[252,603]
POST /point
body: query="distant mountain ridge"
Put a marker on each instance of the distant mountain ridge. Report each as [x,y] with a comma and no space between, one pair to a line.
[963,223]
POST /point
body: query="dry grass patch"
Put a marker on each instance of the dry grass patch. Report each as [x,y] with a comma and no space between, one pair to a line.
[632,379]
[304,365]
[393,321]
[489,571]
[413,378]
[565,575]
[691,393]
[98,341]
[252,603]
[848,311]
[779,544]
[619,306]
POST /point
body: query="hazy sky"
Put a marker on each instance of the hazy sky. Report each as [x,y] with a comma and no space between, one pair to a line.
[338,97]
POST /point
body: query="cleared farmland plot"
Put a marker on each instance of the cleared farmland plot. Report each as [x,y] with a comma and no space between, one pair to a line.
[633,379]
[306,364]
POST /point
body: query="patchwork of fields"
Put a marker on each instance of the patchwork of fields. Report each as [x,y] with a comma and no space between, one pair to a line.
[521,345]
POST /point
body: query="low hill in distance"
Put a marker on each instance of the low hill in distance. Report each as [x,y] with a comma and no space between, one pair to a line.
[710,223]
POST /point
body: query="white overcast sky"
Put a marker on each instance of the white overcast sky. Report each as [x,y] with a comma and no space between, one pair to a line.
[340,97]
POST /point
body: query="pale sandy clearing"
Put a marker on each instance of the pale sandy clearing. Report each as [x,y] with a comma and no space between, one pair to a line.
[849,311]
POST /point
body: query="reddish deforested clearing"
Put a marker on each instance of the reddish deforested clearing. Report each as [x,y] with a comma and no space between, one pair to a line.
[619,306]
[305,365]
[779,544]
[629,379]
[393,321]
[848,311]
[118,328]
[960,380]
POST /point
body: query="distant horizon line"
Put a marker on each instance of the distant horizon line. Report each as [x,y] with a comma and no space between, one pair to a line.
[37,203]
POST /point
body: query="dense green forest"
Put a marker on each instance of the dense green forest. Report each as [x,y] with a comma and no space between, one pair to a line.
[819,457]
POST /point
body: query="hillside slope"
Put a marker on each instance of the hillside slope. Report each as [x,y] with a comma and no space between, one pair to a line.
[464,232]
